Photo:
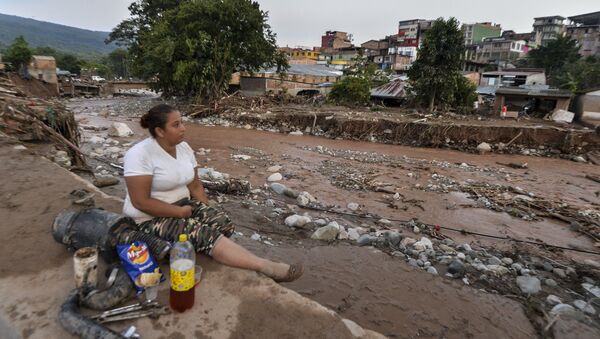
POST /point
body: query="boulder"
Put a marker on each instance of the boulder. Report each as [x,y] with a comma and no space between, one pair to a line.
[297,220]
[484,148]
[119,129]
[327,233]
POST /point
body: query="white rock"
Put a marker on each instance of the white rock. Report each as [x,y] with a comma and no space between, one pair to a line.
[595,290]
[329,232]
[579,159]
[384,222]
[304,198]
[210,174]
[94,139]
[529,285]
[297,220]
[19,147]
[248,126]
[498,269]
[425,243]
[121,130]
[407,242]
[416,230]
[582,305]
[562,309]
[484,147]
[274,169]
[553,300]
[275,177]
[592,263]
[296,133]
[343,235]
[320,222]
[353,234]
[255,237]
[461,256]
[241,157]
[353,206]
[432,270]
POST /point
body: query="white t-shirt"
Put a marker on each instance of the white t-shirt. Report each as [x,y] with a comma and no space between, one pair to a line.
[170,176]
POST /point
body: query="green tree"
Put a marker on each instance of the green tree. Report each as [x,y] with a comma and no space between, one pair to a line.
[553,57]
[192,47]
[49,51]
[118,62]
[18,54]
[355,88]
[69,62]
[580,75]
[436,74]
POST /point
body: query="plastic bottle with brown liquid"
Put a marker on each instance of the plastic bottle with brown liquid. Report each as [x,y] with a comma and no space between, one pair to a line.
[183,261]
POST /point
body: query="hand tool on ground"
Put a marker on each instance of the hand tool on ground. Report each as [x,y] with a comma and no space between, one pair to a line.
[152,313]
[125,309]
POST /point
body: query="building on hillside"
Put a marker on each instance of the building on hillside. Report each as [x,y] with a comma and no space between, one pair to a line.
[297,80]
[302,56]
[335,40]
[43,68]
[475,33]
[585,29]
[341,58]
[500,51]
[548,28]
[407,42]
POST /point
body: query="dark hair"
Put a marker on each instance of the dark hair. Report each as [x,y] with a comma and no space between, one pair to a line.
[157,116]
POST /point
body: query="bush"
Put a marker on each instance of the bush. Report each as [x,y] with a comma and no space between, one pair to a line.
[351,91]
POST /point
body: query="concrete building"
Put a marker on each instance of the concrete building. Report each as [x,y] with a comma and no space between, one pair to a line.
[298,80]
[43,68]
[500,51]
[548,28]
[335,40]
[407,42]
[585,28]
[514,77]
[340,58]
[301,55]
[475,33]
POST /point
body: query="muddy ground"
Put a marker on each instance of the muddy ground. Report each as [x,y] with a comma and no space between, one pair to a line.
[375,285]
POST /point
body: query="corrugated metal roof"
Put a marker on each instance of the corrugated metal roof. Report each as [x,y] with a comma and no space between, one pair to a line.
[315,70]
[392,90]
[496,73]
[535,92]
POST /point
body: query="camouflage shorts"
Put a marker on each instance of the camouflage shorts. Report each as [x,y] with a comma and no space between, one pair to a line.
[203,228]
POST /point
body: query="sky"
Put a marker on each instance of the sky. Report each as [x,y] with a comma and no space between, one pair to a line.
[301,23]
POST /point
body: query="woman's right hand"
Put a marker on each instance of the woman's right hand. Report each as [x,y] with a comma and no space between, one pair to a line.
[185,211]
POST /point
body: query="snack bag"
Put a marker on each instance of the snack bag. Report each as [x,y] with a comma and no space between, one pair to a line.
[139,265]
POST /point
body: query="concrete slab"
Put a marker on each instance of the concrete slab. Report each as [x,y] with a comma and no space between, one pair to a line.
[37,274]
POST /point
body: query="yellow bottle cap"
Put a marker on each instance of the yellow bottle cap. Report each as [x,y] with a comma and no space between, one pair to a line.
[183,237]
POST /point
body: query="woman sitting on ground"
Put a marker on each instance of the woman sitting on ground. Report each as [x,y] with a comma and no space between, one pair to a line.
[166,198]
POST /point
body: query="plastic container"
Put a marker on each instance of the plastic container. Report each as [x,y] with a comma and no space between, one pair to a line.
[85,265]
[183,261]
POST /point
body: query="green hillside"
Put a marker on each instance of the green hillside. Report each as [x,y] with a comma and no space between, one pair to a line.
[81,42]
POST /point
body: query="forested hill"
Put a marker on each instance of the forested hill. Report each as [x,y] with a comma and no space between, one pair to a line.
[81,42]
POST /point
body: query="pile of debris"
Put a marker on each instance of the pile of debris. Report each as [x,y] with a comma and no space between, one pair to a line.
[34,119]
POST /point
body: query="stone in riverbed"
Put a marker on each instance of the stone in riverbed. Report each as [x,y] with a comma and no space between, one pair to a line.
[278,188]
[507,261]
[353,234]
[562,309]
[529,285]
[366,239]
[582,305]
[297,220]
[456,268]
[275,177]
[553,300]
[432,270]
[329,232]
[494,261]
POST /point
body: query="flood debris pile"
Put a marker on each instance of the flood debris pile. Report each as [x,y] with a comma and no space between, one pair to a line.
[34,119]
